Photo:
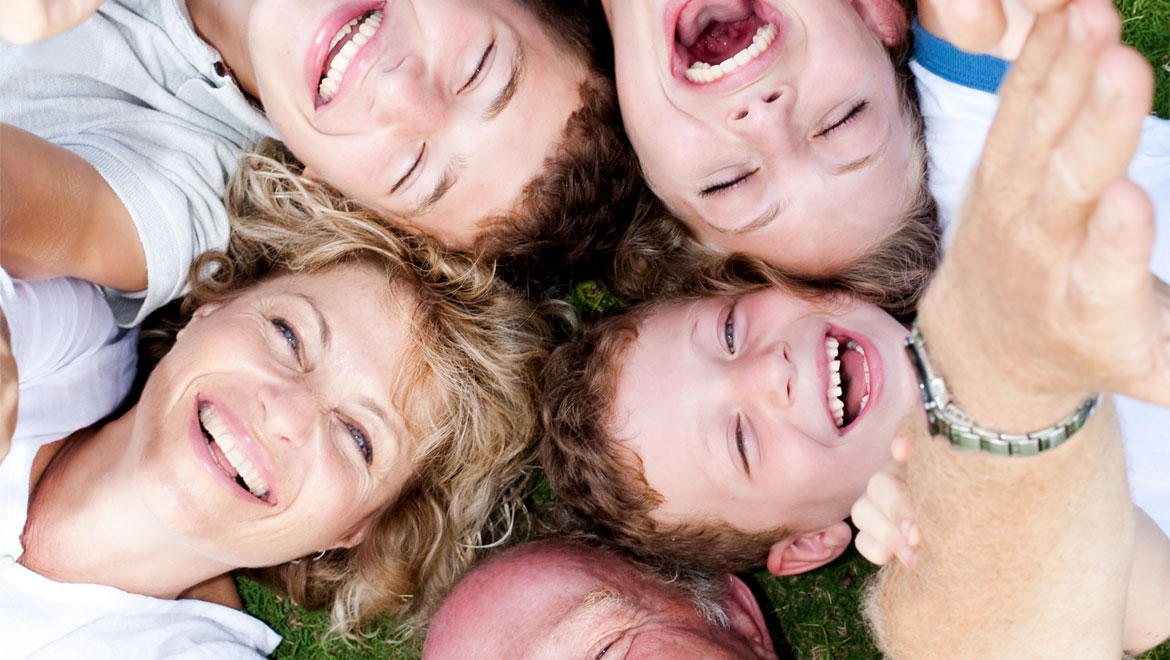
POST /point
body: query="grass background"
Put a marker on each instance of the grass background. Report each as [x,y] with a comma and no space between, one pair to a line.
[815,615]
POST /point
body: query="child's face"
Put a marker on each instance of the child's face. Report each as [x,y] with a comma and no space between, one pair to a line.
[801,156]
[728,405]
[442,110]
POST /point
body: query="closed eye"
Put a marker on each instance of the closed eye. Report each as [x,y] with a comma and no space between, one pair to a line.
[727,185]
[739,445]
[413,166]
[479,67]
[849,116]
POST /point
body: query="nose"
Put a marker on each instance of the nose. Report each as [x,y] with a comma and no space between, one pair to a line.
[289,411]
[770,375]
[764,117]
[408,95]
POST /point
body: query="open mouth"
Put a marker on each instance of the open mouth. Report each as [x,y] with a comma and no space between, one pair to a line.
[344,45]
[714,38]
[226,452]
[848,388]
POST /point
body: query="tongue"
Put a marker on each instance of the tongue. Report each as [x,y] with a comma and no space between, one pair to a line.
[853,382]
[721,40]
[221,458]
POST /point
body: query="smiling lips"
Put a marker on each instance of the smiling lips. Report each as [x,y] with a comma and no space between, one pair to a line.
[345,44]
[715,38]
[227,453]
[849,387]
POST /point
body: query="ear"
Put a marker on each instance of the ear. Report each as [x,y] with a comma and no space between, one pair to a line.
[804,553]
[203,312]
[885,18]
[356,534]
[744,617]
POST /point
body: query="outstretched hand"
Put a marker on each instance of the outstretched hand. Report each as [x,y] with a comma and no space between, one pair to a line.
[1047,280]
[24,21]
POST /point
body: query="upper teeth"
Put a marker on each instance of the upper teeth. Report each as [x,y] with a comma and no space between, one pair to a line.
[366,25]
[702,72]
[218,430]
[835,392]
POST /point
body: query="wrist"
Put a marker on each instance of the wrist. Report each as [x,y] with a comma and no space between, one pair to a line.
[1001,389]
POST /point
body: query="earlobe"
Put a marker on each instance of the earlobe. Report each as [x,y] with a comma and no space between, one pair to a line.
[885,18]
[203,312]
[356,535]
[804,553]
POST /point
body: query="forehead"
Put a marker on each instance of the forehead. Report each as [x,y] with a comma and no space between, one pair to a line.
[534,602]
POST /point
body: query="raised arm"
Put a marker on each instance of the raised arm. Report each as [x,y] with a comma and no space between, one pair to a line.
[59,217]
[22,21]
[1044,297]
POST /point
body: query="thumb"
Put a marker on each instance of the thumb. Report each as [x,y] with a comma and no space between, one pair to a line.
[1113,263]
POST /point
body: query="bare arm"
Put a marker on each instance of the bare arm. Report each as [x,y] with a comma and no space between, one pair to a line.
[59,217]
[1044,297]
[1147,611]
[22,21]
[9,388]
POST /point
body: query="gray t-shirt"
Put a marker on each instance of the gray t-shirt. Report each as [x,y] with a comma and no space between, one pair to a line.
[136,93]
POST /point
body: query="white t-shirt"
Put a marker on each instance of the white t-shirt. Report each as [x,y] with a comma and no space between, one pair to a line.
[75,366]
[135,92]
[957,119]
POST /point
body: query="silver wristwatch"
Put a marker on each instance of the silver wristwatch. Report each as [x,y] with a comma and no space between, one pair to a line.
[949,421]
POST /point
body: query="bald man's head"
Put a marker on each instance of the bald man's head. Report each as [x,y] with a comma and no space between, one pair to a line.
[558,599]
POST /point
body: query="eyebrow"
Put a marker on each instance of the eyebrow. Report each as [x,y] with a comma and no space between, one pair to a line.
[505,96]
[326,336]
[760,221]
[446,182]
[864,161]
[377,410]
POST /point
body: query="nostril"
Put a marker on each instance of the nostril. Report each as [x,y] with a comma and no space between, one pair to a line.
[773,98]
[742,115]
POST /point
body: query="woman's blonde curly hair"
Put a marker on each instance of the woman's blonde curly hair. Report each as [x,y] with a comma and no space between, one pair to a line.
[469,386]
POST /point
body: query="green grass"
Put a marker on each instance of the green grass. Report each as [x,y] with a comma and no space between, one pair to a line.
[817,612]
[1147,28]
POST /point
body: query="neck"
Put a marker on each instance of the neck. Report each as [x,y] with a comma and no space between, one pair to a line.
[224,25]
[86,523]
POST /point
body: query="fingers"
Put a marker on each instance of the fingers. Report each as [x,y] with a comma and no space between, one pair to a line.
[1110,282]
[1092,27]
[884,518]
[1100,143]
[1019,91]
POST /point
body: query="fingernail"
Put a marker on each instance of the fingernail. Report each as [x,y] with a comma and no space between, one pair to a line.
[1077,28]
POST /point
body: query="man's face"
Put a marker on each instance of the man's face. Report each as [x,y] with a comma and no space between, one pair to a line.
[433,113]
[798,156]
[554,600]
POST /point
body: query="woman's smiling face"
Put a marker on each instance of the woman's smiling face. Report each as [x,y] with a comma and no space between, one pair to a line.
[733,407]
[801,155]
[436,113]
[271,429]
